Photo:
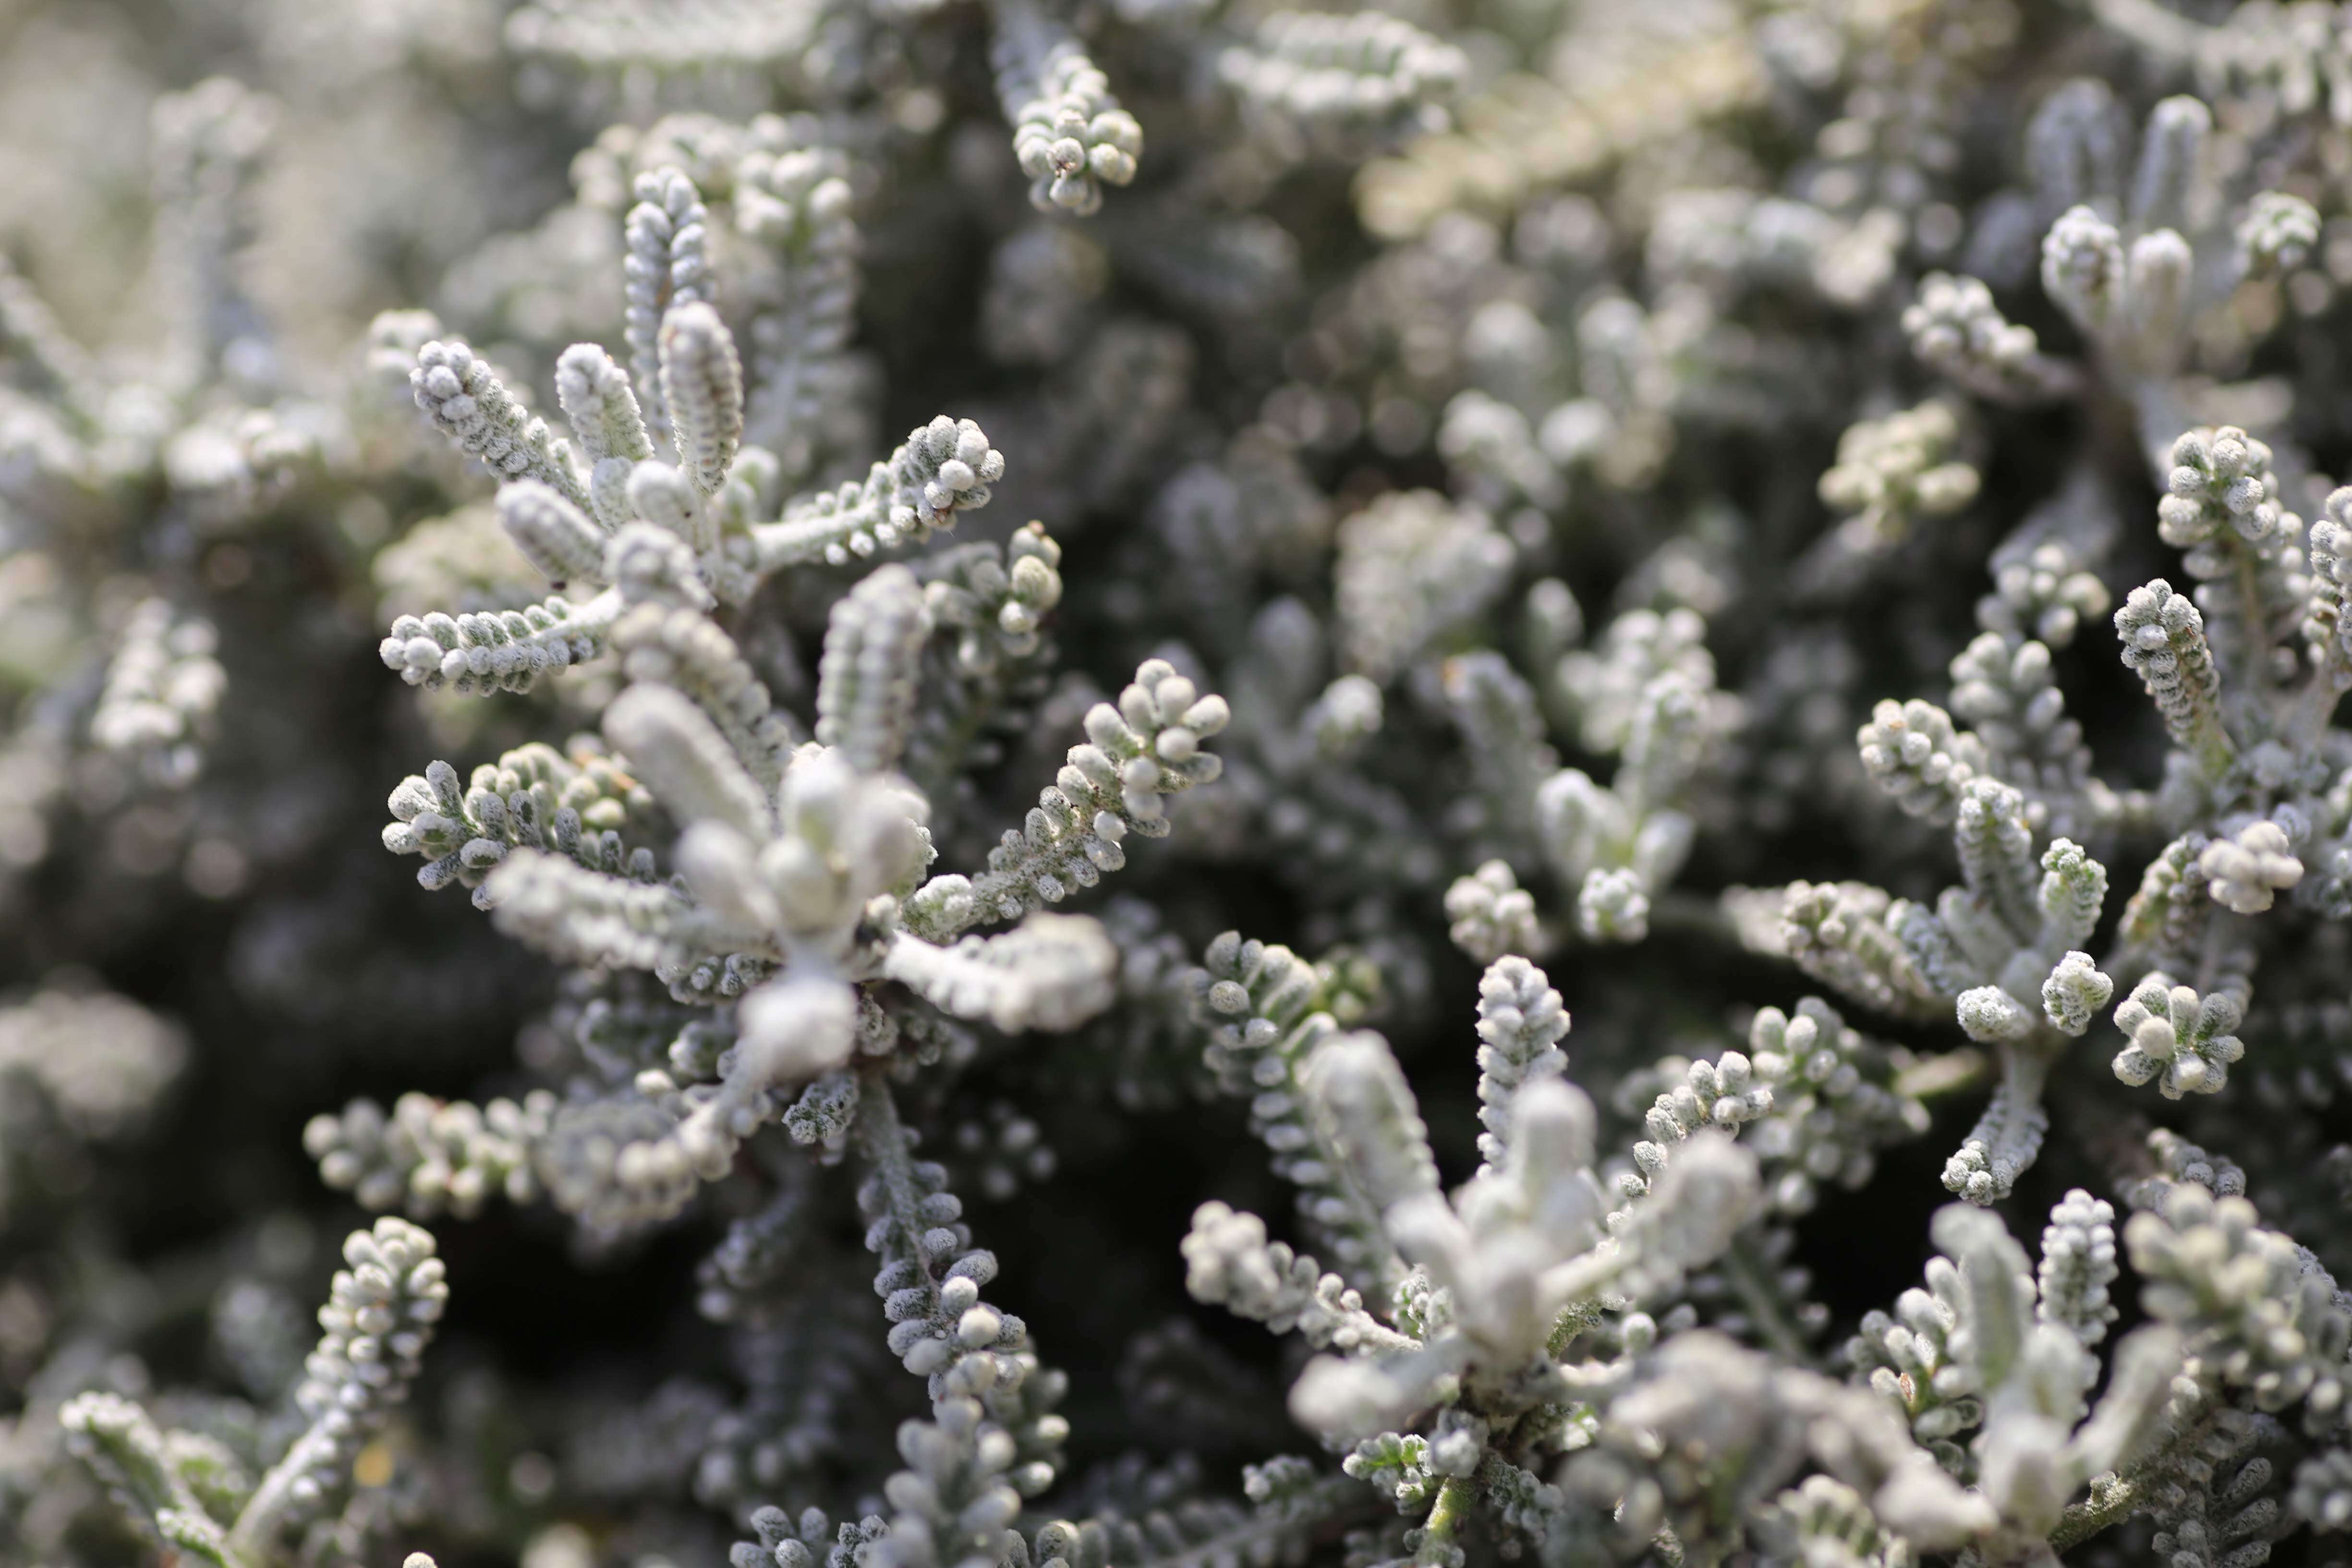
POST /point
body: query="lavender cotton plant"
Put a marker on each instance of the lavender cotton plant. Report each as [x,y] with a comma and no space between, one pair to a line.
[1445,784]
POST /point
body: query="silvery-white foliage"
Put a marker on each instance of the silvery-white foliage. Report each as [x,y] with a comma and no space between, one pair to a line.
[377,1321]
[1632,494]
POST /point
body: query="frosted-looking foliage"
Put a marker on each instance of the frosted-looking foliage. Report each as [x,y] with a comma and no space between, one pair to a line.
[797,205]
[1957,330]
[1412,569]
[1810,540]
[379,1316]
[1893,470]
[81,1068]
[1070,135]
[162,692]
[1337,85]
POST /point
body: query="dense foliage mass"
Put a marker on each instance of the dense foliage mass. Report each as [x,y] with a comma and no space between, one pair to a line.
[1025,657]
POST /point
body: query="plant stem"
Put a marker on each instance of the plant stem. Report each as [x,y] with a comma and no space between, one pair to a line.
[1947,1072]
[257,1524]
[1444,1519]
[2081,1520]
[1747,1274]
